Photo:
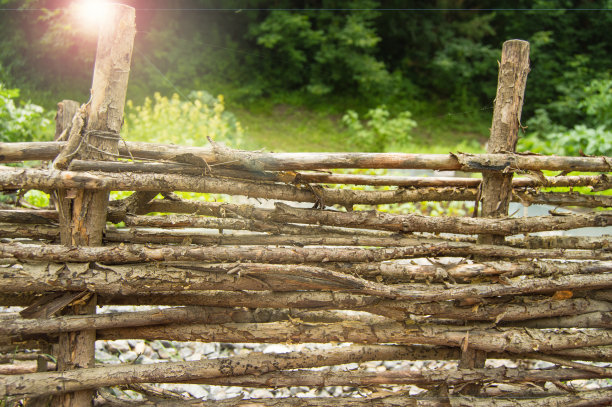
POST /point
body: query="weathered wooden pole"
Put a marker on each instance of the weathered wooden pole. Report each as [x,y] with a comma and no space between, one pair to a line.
[496,187]
[83,212]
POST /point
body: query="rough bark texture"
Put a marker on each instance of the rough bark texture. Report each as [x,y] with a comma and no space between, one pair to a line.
[83,212]
[497,188]
[271,254]
[11,178]
[600,182]
[36,384]
[256,161]
[296,275]
[381,220]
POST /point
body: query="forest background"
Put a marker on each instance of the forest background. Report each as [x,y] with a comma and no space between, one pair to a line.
[324,75]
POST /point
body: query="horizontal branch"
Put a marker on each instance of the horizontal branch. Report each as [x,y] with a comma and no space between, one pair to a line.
[14,178]
[599,182]
[39,384]
[125,254]
[385,221]
[22,368]
[562,242]
[142,279]
[584,398]
[360,378]
[403,271]
[587,320]
[29,216]
[514,340]
[20,326]
[11,152]
[201,222]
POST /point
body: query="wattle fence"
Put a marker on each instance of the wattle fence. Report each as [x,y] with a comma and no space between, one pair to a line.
[325,273]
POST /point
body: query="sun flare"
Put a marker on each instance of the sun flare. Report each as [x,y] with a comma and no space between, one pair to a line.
[92,12]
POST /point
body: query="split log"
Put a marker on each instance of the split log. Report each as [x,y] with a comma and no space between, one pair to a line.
[513,340]
[599,182]
[12,178]
[384,221]
[38,384]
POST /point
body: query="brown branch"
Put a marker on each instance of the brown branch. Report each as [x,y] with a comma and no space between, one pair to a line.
[19,326]
[513,340]
[11,152]
[11,178]
[360,378]
[38,384]
[142,279]
[402,400]
[600,182]
[384,221]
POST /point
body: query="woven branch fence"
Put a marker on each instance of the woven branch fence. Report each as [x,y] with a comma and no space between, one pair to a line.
[286,273]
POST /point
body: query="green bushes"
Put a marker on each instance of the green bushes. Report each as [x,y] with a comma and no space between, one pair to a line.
[172,120]
[592,104]
[21,121]
[378,130]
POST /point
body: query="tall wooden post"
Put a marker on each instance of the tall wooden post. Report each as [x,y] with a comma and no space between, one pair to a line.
[512,80]
[496,188]
[83,212]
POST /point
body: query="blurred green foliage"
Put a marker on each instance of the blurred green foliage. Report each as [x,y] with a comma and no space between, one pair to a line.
[185,122]
[19,120]
[592,104]
[378,129]
[335,55]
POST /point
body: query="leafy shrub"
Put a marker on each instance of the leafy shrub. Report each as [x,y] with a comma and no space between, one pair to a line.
[176,121]
[21,121]
[322,52]
[593,137]
[379,130]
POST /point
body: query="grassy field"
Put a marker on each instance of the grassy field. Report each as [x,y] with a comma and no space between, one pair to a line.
[288,128]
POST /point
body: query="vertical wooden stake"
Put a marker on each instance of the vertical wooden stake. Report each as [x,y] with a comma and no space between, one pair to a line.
[84,215]
[496,188]
[512,80]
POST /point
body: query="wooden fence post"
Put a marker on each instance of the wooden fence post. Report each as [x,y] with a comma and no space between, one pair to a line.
[83,212]
[496,188]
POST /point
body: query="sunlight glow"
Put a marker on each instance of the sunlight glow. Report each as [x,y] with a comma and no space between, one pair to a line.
[92,12]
